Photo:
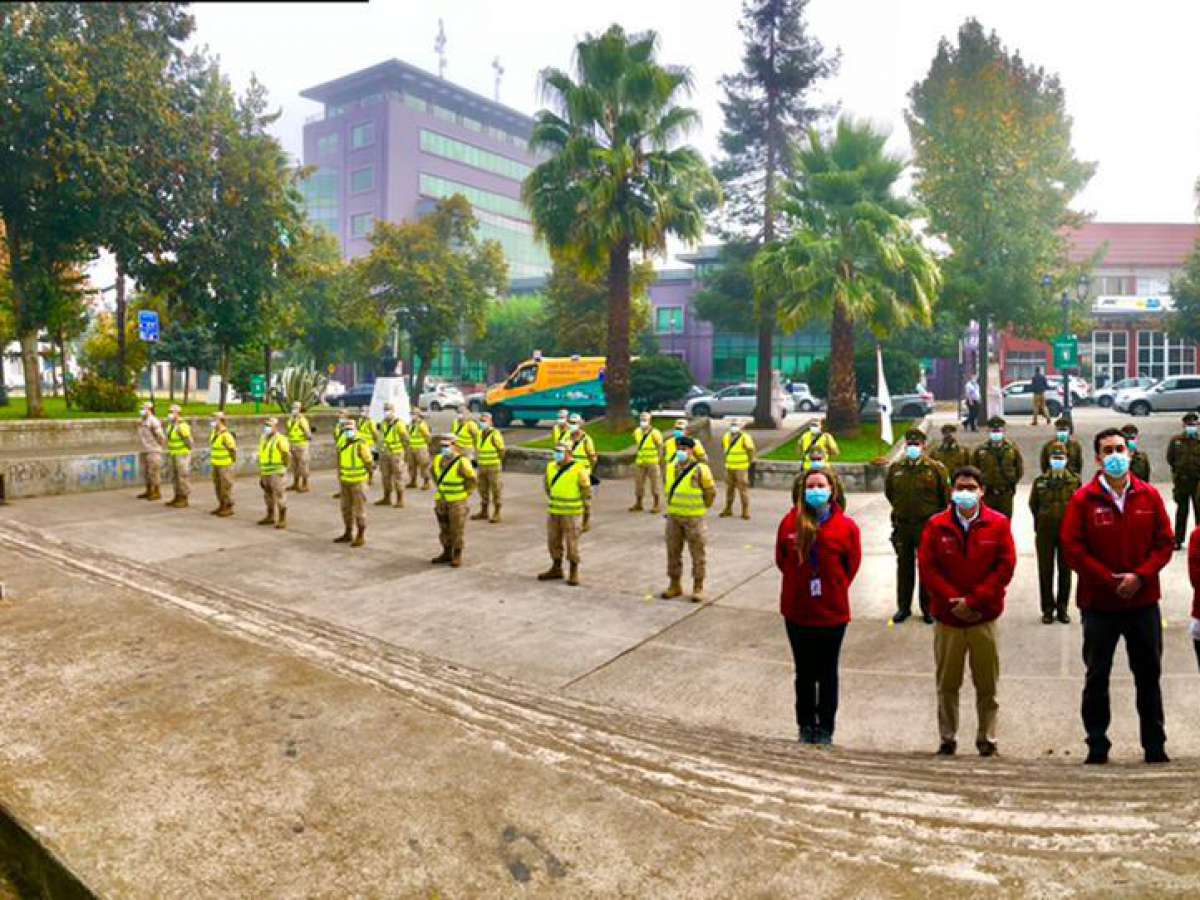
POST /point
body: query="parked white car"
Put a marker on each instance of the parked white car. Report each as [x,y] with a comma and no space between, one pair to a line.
[439,396]
[735,400]
[1179,393]
[803,399]
[1018,399]
[1106,395]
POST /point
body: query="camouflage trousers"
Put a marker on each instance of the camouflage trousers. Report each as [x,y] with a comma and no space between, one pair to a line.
[353,499]
[273,494]
[299,463]
[647,476]
[419,464]
[222,477]
[152,469]
[181,475]
[490,486]
[452,523]
[393,469]
[562,537]
[737,481]
[692,531]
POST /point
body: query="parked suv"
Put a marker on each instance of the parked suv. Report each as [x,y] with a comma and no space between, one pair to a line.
[735,400]
[1107,394]
[359,395]
[1018,398]
[802,398]
[1178,393]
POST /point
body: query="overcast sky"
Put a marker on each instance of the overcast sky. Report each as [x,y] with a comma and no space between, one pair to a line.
[1127,69]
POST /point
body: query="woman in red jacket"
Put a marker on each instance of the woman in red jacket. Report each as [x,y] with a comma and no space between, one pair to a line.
[818,551]
[1194,575]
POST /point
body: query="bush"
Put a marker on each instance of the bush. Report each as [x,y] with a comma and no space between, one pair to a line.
[902,371]
[92,393]
[297,383]
[656,381]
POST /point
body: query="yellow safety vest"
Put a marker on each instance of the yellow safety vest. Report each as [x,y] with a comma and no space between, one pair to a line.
[559,432]
[685,498]
[566,493]
[418,436]
[737,456]
[366,431]
[352,468]
[177,439]
[465,434]
[221,454]
[583,449]
[298,431]
[270,454]
[452,487]
[393,436]
[648,444]
[489,451]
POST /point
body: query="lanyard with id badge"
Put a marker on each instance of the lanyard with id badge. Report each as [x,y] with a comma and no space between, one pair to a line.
[814,583]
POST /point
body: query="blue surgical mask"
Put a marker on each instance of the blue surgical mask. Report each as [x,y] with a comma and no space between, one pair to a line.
[965,500]
[996,436]
[1116,464]
[817,497]
[1191,430]
[1062,435]
[1058,463]
[912,451]
[559,455]
[817,464]
[680,457]
[1131,443]
[267,429]
[447,452]
[678,433]
[351,433]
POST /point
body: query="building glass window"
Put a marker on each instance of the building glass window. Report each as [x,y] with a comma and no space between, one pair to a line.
[1020,365]
[327,145]
[362,180]
[668,320]
[1160,357]
[436,187]
[360,225]
[320,192]
[418,103]
[333,111]
[1110,357]
[447,115]
[1112,286]
[472,124]
[362,135]
[448,148]
[371,99]
[735,356]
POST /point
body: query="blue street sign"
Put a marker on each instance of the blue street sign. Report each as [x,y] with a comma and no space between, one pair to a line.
[148,326]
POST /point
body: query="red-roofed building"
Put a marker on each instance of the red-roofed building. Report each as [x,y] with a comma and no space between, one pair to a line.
[1129,295]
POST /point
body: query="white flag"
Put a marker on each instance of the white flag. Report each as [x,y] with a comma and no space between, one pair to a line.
[885,402]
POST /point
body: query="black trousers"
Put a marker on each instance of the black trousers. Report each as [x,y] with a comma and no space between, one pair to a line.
[1186,495]
[815,653]
[972,423]
[1142,631]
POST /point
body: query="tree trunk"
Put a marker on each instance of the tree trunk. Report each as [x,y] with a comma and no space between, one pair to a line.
[842,419]
[33,377]
[62,356]
[187,384]
[224,378]
[171,382]
[53,370]
[267,370]
[122,374]
[419,376]
[616,366]
[3,379]
[764,415]
[983,363]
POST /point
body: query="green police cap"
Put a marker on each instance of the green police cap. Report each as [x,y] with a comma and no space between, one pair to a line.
[996,422]
[915,435]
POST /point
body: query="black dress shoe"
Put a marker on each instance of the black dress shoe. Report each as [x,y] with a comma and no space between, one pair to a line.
[1064,617]
[900,616]
[947,748]
[1047,618]
[927,618]
[987,748]
[1158,755]
[1096,758]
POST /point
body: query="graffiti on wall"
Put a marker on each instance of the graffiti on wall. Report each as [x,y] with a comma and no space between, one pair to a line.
[102,471]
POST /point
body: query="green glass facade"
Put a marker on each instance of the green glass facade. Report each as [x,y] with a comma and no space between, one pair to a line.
[476,157]
[438,188]
[735,356]
[320,191]
[452,364]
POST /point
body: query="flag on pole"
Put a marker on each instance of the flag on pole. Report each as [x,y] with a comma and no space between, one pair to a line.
[885,402]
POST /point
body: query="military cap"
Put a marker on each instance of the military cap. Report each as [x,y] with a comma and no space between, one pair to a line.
[272,421]
[575,418]
[219,415]
[174,408]
[1129,430]
[1058,448]
[1064,422]
[915,434]
[949,428]
[996,422]
[296,406]
[1190,418]
[686,441]
[681,423]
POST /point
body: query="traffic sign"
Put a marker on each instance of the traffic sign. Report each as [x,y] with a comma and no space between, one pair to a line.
[148,329]
[258,387]
[1066,352]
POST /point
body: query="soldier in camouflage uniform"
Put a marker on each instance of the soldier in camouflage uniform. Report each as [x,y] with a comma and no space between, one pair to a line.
[950,453]
[1002,466]
[917,487]
[1183,456]
[1048,499]
[1064,433]
[1139,461]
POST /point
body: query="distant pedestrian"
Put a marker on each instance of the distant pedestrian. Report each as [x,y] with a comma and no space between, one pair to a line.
[1048,499]
[299,435]
[966,561]
[222,457]
[814,436]
[1117,537]
[153,440]
[1039,385]
[917,487]
[740,451]
[818,550]
[274,459]
[971,392]
[179,450]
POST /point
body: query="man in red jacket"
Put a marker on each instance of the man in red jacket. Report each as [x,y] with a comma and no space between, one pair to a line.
[966,559]
[1116,536]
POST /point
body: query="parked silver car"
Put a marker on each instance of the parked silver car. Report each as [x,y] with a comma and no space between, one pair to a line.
[1106,395]
[735,400]
[907,406]
[1177,393]
[1018,399]
[802,398]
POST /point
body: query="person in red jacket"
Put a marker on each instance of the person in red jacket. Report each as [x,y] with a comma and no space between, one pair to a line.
[1117,537]
[1193,557]
[818,551]
[966,559]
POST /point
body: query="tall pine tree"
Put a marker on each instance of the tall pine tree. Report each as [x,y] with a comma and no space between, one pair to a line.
[767,107]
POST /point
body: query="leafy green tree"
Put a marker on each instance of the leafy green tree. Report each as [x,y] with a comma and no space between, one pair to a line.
[186,346]
[617,179]
[435,277]
[1185,292]
[659,380]
[727,297]
[577,304]
[852,255]
[768,108]
[995,170]
[513,328]
[900,368]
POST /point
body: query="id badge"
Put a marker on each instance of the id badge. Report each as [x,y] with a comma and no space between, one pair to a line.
[814,587]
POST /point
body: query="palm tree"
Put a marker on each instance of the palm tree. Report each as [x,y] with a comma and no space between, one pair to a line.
[617,179]
[852,257]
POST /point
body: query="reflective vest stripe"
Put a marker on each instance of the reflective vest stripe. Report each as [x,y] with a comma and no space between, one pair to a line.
[366,431]
[464,435]
[416,436]
[298,430]
[683,497]
[451,485]
[566,494]
[647,452]
[489,453]
[220,455]
[270,456]
[737,454]
[352,469]
[393,436]
[177,439]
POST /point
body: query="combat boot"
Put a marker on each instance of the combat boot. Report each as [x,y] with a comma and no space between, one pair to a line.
[399,504]
[573,577]
[155,494]
[294,486]
[482,515]
[282,523]
[345,538]
[698,591]
[225,511]
[674,589]
[358,537]
[553,573]
[637,506]
[304,488]
[456,558]
[181,503]
[268,519]
[443,558]
[657,507]
[495,514]
[217,511]
[386,501]
[144,495]
[726,512]
[746,513]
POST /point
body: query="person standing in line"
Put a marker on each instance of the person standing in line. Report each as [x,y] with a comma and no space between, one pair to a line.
[299,435]
[179,449]
[1048,500]
[489,463]
[153,440]
[739,450]
[818,463]
[222,457]
[455,479]
[966,560]
[950,453]
[583,450]
[356,466]
[367,432]
[274,459]
[567,486]
[682,429]
[812,438]
[818,550]
[1064,434]
[1039,385]
[561,430]
[1194,577]
[466,432]
[917,488]
[419,438]
[691,491]
[1139,460]
[646,465]
[393,447]
[973,397]
[1183,456]
[1117,537]
[1002,466]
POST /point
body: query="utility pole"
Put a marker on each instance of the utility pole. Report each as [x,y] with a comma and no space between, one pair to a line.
[439,45]
[499,70]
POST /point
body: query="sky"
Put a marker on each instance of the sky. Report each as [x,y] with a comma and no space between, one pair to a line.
[1125,68]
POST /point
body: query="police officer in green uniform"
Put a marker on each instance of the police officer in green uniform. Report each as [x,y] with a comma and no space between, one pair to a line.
[917,487]
[950,453]
[1064,433]
[1183,456]
[1002,466]
[1048,502]
[1139,460]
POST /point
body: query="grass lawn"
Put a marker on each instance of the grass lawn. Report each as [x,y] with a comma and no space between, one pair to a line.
[56,408]
[864,448]
[606,440]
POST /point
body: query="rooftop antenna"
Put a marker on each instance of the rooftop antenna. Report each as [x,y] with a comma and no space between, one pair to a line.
[499,70]
[440,46]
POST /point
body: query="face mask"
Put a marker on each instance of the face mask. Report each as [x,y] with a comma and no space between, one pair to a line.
[965,500]
[1058,463]
[1062,435]
[267,429]
[816,497]
[680,457]
[447,452]
[734,429]
[145,412]
[559,456]
[912,451]
[678,432]
[996,436]
[645,423]
[1191,430]
[213,424]
[351,433]
[1131,443]
[1116,464]
[815,429]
